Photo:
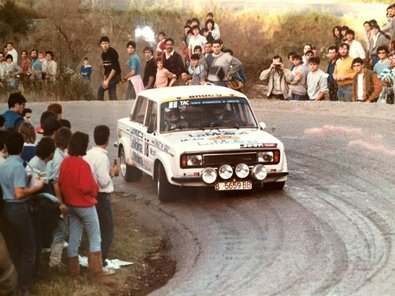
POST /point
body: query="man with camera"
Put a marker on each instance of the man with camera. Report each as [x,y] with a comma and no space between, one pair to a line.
[278,79]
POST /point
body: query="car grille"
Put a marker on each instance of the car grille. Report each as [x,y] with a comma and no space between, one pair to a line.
[229,158]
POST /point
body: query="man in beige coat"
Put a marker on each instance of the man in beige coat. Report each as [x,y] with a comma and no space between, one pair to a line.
[278,79]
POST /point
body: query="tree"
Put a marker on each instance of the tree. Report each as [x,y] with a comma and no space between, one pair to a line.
[14,20]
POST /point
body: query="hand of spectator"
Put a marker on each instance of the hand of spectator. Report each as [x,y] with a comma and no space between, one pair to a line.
[172,76]
[105,84]
[63,209]
[115,170]
[39,183]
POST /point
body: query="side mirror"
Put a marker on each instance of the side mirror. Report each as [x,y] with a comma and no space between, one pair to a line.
[262,125]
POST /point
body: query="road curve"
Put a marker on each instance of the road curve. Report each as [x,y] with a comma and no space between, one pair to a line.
[329,232]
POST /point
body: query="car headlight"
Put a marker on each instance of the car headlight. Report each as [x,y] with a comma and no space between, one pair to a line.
[191,160]
[265,156]
[209,175]
[225,171]
[259,172]
[242,170]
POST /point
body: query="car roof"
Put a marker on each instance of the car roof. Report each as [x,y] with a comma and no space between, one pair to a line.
[165,94]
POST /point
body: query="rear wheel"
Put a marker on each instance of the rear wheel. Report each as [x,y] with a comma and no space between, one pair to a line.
[128,172]
[274,185]
[166,191]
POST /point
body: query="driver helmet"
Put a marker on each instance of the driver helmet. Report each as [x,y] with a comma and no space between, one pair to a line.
[172,114]
[219,109]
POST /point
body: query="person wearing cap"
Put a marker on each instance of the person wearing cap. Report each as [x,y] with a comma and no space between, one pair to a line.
[112,70]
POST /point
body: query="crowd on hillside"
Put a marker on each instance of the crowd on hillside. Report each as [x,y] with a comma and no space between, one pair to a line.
[357,71]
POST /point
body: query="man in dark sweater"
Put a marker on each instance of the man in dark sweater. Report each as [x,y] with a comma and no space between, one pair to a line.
[172,60]
[112,70]
[150,68]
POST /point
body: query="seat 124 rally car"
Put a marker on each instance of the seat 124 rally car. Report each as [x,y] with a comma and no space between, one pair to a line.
[198,136]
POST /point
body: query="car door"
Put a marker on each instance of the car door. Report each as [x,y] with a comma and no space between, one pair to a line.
[151,128]
[137,131]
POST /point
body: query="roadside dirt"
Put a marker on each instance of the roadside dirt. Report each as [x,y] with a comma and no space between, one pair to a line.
[149,251]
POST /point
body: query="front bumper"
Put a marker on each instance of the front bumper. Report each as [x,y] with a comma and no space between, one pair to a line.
[271,177]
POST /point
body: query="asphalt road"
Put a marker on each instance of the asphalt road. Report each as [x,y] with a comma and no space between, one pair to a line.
[331,231]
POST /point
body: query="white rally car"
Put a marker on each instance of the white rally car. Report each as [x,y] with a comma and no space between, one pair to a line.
[198,136]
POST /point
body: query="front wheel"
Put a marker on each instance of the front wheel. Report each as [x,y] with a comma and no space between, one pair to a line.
[128,172]
[165,190]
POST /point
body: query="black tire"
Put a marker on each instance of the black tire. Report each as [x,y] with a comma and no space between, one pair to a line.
[274,185]
[166,191]
[128,172]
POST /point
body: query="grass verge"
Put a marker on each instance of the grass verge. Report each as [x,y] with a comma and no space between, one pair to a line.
[151,267]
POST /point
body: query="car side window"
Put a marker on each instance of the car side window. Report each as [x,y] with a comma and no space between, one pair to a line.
[152,116]
[139,112]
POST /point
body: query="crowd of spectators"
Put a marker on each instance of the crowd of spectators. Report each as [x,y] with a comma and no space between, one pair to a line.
[52,187]
[356,72]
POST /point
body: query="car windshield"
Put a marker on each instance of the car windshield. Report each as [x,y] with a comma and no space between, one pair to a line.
[206,114]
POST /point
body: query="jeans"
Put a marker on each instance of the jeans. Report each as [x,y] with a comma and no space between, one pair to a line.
[332,85]
[60,232]
[112,90]
[344,93]
[297,97]
[104,211]
[20,241]
[130,92]
[80,218]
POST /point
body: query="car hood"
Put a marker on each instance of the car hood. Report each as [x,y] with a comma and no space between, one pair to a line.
[223,139]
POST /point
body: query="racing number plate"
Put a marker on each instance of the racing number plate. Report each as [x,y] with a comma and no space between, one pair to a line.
[233,185]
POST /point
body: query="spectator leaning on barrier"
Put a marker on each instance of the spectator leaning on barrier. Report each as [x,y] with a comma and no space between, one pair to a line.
[317,81]
[366,86]
[278,79]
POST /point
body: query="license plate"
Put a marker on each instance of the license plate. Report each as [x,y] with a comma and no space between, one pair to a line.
[234,185]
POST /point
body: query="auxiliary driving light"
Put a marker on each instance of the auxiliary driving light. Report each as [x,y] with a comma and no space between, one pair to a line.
[242,170]
[209,175]
[259,172]
[225,171]
[265,156]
